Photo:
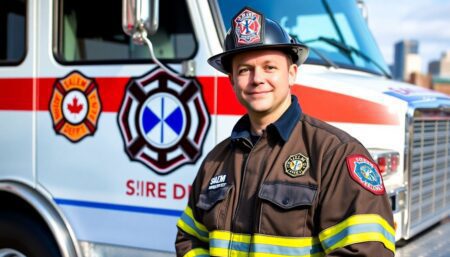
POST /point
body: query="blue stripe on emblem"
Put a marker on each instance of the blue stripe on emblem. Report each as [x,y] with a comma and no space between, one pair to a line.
[162,118]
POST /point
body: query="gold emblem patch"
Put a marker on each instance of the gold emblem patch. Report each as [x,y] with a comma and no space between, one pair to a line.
[296,165]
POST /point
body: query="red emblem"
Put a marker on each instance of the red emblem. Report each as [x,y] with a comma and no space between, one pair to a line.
[247,27]
[366,173]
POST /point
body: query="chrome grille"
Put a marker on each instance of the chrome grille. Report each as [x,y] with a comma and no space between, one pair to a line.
[429,162]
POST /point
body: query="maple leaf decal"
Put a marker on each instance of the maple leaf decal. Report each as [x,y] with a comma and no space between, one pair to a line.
[75,107]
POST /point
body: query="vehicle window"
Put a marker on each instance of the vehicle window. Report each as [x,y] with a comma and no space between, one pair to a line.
[333,29]
[12,31]
[91,31]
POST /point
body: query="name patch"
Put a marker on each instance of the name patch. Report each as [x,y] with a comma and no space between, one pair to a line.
[217,182]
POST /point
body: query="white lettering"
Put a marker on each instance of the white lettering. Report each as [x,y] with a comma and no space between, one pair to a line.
[217,179]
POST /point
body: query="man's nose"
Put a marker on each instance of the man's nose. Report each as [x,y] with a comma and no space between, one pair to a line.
[258,76]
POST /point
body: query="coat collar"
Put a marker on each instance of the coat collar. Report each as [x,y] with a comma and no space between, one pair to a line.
[283,126]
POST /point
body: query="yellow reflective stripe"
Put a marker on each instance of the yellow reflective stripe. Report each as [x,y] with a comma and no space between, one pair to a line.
[364,237]
[189,225]
[199,225]
[223,252]
[263,239]
[186,228]
[285,241]
[321,254]
[358,229]
[221,243]
[227,235]
[361,238]
[355,220]
[228,244]
[197,252]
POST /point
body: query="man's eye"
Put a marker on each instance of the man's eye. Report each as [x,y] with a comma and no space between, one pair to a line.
[242,70]
[270,67]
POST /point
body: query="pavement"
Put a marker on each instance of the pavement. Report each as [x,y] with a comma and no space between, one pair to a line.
[434,242]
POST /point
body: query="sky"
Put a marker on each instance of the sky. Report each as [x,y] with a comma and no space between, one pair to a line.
[427,21]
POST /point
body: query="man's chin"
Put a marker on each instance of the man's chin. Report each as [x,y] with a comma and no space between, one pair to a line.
[260,110]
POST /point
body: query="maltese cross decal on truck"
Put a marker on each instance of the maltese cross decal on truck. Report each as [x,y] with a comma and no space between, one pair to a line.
[163,120]
[75,106]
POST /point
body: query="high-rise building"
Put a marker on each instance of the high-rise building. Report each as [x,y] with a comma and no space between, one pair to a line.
[406,59]
[440,68]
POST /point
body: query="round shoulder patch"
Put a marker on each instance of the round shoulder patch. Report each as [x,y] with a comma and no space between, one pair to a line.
[366,173]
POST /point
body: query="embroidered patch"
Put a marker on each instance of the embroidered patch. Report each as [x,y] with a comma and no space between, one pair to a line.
[247,27]
[296,165]
[75,106]
[217,182]
[366,173]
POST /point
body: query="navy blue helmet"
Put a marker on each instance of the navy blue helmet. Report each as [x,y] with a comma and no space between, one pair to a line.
[251,31]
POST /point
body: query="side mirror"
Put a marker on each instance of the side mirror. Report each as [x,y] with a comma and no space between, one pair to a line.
[140,17]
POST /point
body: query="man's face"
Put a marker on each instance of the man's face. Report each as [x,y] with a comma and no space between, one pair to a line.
[261,80]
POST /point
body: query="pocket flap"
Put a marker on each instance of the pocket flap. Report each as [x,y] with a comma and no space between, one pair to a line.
[209,198]
[288,195]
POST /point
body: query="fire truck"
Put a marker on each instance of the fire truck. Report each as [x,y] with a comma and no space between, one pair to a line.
[101,137]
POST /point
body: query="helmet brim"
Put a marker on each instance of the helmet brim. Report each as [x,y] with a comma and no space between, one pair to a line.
[222,61]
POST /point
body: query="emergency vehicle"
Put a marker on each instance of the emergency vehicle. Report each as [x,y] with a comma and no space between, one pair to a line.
[100,142]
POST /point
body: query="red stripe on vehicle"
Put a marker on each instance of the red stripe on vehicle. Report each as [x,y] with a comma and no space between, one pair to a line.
[227,103]
[17,94]
[111,91]
[335,107]
[322,104]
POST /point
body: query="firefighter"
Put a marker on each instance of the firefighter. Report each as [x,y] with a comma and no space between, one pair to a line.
[283,183]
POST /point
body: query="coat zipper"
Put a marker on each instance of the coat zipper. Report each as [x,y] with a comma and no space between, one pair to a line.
[240,189]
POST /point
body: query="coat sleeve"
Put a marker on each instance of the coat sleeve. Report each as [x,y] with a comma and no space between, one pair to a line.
[192,237]
[354,214]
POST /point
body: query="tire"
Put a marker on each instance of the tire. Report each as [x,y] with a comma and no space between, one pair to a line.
[20,235]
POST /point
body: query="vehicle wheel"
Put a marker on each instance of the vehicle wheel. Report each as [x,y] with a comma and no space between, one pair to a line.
[21,236]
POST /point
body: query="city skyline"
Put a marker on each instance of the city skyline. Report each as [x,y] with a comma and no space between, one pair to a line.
[416,20]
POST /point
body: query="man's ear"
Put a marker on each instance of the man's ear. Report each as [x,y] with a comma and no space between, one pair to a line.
[293,68]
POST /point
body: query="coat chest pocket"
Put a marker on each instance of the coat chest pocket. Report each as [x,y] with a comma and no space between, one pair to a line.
[285,207]
[213,203]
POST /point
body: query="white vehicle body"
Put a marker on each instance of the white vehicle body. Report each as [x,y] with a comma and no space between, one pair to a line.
[100,193]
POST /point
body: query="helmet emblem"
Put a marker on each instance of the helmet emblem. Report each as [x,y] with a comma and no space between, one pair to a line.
[247,27]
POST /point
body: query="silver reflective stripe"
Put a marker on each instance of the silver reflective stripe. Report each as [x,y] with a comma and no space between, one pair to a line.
[90,249]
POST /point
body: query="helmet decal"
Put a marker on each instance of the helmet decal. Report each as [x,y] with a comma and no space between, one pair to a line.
[247,27]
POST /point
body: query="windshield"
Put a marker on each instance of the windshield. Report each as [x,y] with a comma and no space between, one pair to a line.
[319,24]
